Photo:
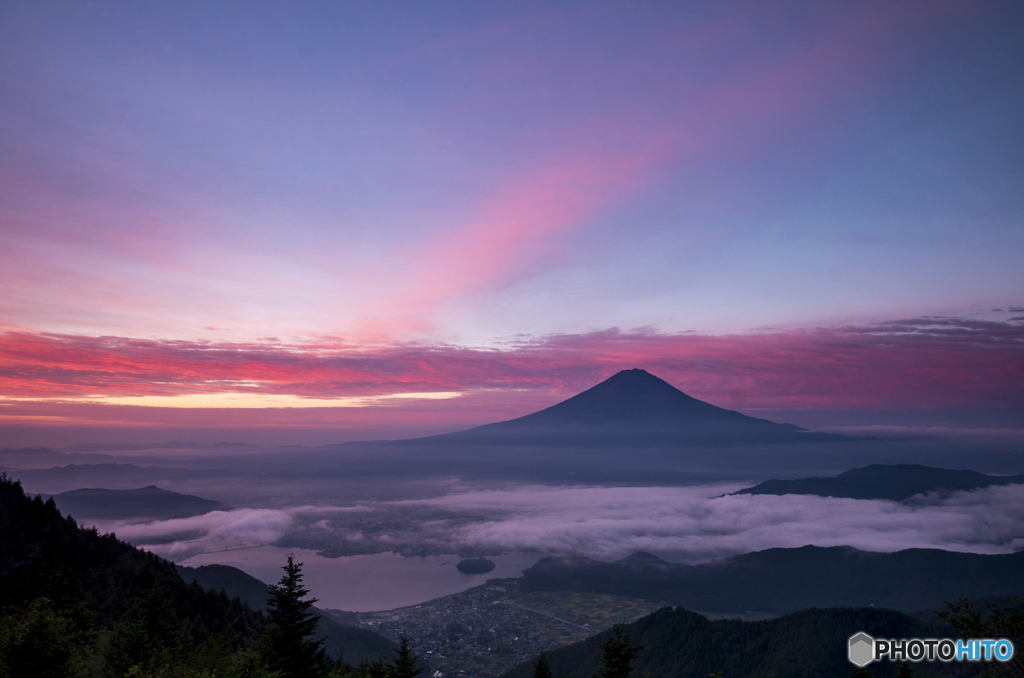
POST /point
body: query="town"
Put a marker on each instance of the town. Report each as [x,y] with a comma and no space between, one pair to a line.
[488,629]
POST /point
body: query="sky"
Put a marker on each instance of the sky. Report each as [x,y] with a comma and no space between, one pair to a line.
[329,220]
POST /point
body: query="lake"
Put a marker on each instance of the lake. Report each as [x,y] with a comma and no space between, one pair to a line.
[382,581]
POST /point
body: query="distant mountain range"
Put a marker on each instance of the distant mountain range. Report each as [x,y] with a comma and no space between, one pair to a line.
[41,457]
[74,476]
[884,481]
[782,580]
[174,445]
[147,502]
[632,407]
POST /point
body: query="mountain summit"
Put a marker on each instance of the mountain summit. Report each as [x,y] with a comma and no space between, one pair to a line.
[631,408]
[637,398]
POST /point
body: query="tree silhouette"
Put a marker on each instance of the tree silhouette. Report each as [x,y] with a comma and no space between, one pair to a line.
[377,668]
[541,667]
[285,645]
[404,665]
[619,652]
[1000,622]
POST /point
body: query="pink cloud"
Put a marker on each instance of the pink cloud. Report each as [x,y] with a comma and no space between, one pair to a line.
[600,159]
[921,363]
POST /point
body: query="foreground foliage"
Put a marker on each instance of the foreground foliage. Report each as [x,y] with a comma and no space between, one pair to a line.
[78,604]
[999,622]
[678,643]
[619,651]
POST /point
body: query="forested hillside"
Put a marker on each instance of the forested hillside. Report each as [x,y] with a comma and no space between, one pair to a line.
[807,644]
[77,603]
[785,580]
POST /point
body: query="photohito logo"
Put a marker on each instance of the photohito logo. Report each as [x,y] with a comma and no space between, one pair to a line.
[863,649]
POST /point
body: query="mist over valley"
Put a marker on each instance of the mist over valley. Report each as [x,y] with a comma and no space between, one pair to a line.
[683,492]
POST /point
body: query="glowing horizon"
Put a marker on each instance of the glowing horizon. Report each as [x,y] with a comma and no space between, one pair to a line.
[342,206]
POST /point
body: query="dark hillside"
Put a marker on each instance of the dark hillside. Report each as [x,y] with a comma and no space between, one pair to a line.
[785,580]
[354,644]
[44,554]
[74,602]
[144,502]
[811,643]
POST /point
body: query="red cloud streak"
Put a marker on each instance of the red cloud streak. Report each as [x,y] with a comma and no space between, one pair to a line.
[919,363]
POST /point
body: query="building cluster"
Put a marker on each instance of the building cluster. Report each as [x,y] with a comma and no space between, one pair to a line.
[488,629]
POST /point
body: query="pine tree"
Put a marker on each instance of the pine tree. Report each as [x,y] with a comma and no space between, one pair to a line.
[905,671]
[404,665]
[619,652]
[377,668]
[1000,622]
[542,667]
[286,646]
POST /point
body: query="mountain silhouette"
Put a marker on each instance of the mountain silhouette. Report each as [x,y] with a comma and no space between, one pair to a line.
[632,407]
[885,481]
[784,580]
[634,397]
[145,502]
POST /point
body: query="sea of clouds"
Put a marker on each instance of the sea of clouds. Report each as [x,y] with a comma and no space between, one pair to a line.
[682,524]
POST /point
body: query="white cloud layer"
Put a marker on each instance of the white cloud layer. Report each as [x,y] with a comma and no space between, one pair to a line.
[181,538]
[689,524]
[697,524]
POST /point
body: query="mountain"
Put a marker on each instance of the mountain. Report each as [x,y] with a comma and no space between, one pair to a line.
[232,581]
[145,502]
[633,407]
[354,644]
[780,580]
[42,457]
[807,644]
[74,476]
[884,481]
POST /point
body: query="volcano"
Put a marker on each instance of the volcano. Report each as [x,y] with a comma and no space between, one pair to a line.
[631,408]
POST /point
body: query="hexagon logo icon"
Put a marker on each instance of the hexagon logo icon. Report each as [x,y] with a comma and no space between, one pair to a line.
[862,649]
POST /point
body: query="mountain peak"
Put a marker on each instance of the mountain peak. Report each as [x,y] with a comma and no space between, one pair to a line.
[631,408]
[631,397]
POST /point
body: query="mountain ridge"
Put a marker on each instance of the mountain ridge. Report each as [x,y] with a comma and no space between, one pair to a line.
[144,502]
[783,580]
[896,482]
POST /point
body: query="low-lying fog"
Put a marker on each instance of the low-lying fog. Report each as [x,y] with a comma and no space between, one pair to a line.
[681,524]
[291,502]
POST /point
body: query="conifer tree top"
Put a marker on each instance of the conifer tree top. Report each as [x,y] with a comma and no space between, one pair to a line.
[286,645]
